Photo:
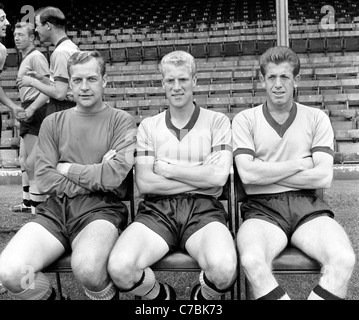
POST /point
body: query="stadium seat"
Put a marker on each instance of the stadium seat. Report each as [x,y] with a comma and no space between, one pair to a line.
[114,94]
[240,76]
[316,45]
[203,78]
[135,93]
[325,73]
[291,260]
[215,50]
[224,77]
[199,50]
[63,264]
[134,53]
[263,45]
[164,49]
[248,47]
[179,45]
[104,50]
[153,104]
[118,54]
[150,53]
[241,89]
[299,45]
[351,44]
[315,100]
[201,91]
[335,44]
[231,49]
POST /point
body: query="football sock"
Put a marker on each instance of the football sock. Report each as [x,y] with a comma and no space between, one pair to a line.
[325,294]
[276,294]
[147,287]
[35,197]
[25,188]
[106,294]
[208,290]
[39,289]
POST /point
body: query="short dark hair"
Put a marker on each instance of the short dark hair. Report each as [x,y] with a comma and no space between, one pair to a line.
[2,6]
[28,26]
[278,55]
[85,56]
[52,15]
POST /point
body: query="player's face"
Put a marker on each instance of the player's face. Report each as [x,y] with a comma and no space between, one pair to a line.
[279,83]
[42,30]
[21,38]
[4,23]
[178,84]
[87,85]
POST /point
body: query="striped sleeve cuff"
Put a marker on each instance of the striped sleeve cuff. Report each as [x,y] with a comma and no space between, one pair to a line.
[146,153]
[243,151]
[323,149]
[221,147]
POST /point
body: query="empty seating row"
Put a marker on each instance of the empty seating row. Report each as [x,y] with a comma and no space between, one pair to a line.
[325,45]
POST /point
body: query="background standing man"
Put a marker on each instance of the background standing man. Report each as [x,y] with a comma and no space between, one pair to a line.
[50,27]
[32,61]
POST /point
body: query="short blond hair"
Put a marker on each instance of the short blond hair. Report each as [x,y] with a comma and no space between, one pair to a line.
[179,58]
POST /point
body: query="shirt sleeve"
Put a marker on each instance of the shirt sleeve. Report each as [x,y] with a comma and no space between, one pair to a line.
[40,64]
[243,142]
[144,144]
[48,180]
[221,133]
[59,72]
[323,139]
[108,175]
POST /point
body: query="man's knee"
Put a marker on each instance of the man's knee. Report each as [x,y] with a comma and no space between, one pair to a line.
[342,262]
[254,265]
[222,269]
[90,273]
[121,270]
[15,275]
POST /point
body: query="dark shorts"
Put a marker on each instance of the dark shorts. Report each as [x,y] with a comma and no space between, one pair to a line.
[57,105]
[175,218]
[66,217]
[287,210]
[32,125]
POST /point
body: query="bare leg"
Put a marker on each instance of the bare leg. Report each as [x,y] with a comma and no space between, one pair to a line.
[213,247]
[137,248]
[326,241]
[90,251]
[259,242]
[28,252]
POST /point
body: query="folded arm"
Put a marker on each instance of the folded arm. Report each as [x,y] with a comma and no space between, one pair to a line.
[149,182]
[320,176]
[212,173]
[48,179]
[255,171]
[109,174]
